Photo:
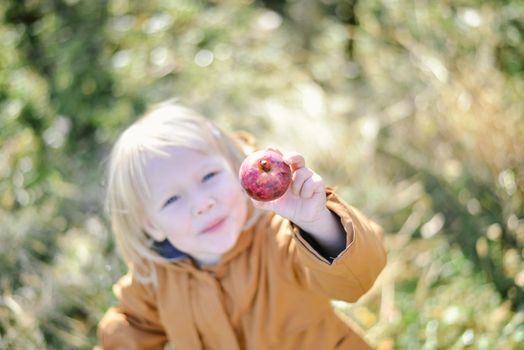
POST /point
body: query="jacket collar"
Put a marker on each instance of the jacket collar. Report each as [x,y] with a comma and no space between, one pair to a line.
[168,251]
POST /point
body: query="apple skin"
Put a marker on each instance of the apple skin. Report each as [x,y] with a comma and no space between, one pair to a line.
[264,175]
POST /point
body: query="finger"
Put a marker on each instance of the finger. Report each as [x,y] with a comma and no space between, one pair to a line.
[307,189]
[295,160]
[311,186]
[299,177]
[261,205]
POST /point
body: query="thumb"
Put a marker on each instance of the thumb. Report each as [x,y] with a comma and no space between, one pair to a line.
[261,205]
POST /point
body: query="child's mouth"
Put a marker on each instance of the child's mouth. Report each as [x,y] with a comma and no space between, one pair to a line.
[214,226]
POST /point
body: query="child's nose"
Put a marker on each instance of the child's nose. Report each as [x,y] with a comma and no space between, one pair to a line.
[203,204]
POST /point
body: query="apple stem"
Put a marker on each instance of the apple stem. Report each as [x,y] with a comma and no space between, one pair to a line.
[264,165]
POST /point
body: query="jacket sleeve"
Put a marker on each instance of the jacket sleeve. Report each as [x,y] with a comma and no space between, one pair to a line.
[134,323]
[353,272]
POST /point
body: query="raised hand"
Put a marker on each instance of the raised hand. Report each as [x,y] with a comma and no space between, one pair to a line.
[304,203]
[305,200]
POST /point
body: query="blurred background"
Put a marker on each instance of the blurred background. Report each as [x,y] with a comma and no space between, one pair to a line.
[413,110]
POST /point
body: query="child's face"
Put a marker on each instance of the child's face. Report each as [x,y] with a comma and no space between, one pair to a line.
[196,203]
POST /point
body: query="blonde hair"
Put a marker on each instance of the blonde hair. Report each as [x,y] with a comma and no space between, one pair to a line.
[166,125]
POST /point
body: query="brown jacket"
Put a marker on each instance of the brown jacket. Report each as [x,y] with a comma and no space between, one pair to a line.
[271,291]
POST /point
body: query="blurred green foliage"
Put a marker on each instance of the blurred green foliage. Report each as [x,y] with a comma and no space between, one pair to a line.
[425,98]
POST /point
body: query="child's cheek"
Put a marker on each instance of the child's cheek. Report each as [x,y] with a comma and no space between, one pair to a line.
[228,190]
[176,213]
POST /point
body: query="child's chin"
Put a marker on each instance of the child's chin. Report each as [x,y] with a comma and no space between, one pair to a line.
[227,243]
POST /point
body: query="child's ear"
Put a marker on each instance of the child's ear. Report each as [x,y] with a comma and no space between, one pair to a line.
[154,232]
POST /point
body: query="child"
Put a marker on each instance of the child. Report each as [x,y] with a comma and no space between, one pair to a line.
[210,268]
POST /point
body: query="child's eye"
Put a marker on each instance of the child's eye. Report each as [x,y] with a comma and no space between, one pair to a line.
[209,175]
[171,200]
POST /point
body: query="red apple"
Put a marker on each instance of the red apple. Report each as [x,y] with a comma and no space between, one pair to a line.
[264,175]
